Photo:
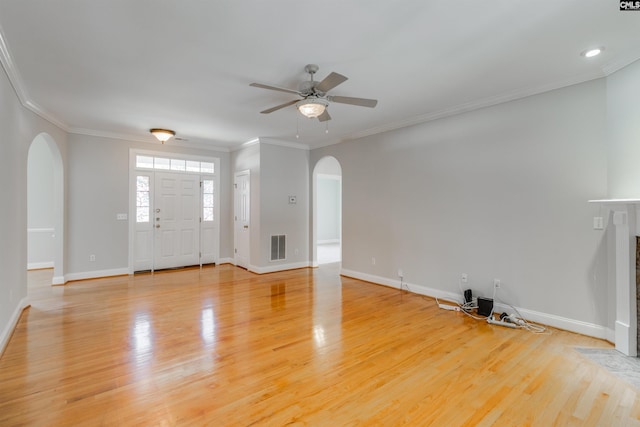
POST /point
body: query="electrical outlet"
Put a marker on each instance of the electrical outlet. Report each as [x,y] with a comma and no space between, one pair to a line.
[496,283]
[598,223]
[92,258]
[373,261]
[464,277]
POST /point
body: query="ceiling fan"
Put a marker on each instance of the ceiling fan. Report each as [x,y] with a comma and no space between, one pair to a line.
[315,100]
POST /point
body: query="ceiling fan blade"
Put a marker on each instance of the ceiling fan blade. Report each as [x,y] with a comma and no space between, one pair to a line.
[281,89]
[324,116]
[362,102]
[331,81]
[277,107]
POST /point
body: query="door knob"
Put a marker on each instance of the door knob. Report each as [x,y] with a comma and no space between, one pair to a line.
[246,226]
[157,225]
[158,210]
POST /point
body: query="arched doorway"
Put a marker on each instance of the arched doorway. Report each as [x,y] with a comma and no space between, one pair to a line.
[45,207]
[327,211]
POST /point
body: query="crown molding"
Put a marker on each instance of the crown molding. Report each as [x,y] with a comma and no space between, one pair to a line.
[35,108]
[620,63]
[475,105]
[18,87]
[287,144]
[10,69]
[16,83]
[247,144]
[148,140]
[270,141]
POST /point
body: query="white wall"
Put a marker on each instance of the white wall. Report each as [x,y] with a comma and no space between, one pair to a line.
[499,192]
[98,175]
[19,128]
[277,172]
[623,137]
[284,173]
[40,219]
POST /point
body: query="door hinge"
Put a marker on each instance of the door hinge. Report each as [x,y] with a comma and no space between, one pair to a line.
[235,185]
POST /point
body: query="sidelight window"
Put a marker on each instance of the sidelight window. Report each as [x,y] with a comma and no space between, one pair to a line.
[142,198]
[207,200]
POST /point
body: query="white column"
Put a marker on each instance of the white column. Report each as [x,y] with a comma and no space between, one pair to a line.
[626,326]
[624,219]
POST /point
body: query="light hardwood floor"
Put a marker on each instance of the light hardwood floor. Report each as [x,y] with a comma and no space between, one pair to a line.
[224,347]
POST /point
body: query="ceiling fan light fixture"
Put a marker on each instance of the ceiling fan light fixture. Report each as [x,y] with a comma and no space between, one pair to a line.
[312,107]
[163,135]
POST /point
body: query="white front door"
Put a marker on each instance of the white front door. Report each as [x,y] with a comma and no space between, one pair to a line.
[242,218]
[176,220]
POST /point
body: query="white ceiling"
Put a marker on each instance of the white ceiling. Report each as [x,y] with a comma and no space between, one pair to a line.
[120,67]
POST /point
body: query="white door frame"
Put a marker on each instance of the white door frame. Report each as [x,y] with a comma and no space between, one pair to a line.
[133,170]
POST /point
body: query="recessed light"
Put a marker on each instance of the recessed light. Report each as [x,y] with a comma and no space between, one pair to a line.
[590,53]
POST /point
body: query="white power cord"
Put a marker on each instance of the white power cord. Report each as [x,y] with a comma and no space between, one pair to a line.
[511,321]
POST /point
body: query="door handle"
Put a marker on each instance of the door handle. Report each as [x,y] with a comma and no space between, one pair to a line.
[158,210]
[246,226]
[157,225]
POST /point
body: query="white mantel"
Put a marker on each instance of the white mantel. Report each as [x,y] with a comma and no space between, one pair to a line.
[625,219]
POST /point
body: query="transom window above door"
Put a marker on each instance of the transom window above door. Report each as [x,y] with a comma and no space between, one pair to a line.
[177,165]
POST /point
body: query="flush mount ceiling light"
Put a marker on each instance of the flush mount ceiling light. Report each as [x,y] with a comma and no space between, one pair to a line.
[312,107]
[590,53]
[163,135]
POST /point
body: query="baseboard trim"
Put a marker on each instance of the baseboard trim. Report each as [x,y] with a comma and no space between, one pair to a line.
[11,325]
[225,261]
[95,274]
[572,325]
[567,324]
[611,335]
[278,267]
[39,265]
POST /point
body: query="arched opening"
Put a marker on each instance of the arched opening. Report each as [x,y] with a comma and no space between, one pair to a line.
[327,211]
[45,207]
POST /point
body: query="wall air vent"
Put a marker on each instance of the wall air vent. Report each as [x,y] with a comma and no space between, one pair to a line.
[278,247]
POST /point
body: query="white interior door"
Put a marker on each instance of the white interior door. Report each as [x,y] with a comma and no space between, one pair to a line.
[242,218]
[176,217]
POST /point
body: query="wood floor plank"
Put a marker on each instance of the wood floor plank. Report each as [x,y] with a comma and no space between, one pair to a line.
[221,346]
